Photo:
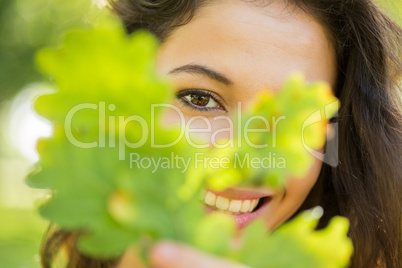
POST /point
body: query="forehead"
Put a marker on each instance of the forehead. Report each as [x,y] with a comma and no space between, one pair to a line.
[252,45]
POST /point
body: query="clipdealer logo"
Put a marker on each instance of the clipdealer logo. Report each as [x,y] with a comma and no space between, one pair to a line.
[148,130]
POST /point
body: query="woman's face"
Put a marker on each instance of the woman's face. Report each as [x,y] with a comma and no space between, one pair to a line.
[226,54]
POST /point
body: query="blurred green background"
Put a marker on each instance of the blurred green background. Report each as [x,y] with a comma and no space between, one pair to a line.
[25,26]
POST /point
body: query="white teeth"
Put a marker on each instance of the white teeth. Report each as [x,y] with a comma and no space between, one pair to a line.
[210,199]
[222,203]
[245,206]
[234,206]
[253,204]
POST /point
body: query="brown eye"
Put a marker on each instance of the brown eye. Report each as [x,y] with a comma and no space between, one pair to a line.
[201,100]
[198,100]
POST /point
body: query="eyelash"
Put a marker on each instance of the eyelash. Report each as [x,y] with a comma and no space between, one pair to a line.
[200,92]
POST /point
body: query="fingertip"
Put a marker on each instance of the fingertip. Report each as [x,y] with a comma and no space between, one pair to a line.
[163,253]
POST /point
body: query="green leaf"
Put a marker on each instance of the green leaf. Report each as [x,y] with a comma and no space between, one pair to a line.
[297,244]
[214,234]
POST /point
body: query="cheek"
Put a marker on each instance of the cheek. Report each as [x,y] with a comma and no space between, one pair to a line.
[210,129]
[298,189]
[287,202]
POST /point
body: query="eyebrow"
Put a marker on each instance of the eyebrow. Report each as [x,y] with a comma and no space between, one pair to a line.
[202,70]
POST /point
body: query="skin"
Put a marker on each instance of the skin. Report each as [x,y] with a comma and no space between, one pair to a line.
[253,48]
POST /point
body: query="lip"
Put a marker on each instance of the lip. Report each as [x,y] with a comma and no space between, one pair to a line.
[244,219]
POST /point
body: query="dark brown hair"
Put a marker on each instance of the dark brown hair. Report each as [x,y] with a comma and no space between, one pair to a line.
[366,185]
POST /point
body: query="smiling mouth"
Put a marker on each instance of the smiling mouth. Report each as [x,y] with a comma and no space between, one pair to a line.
[244,207]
